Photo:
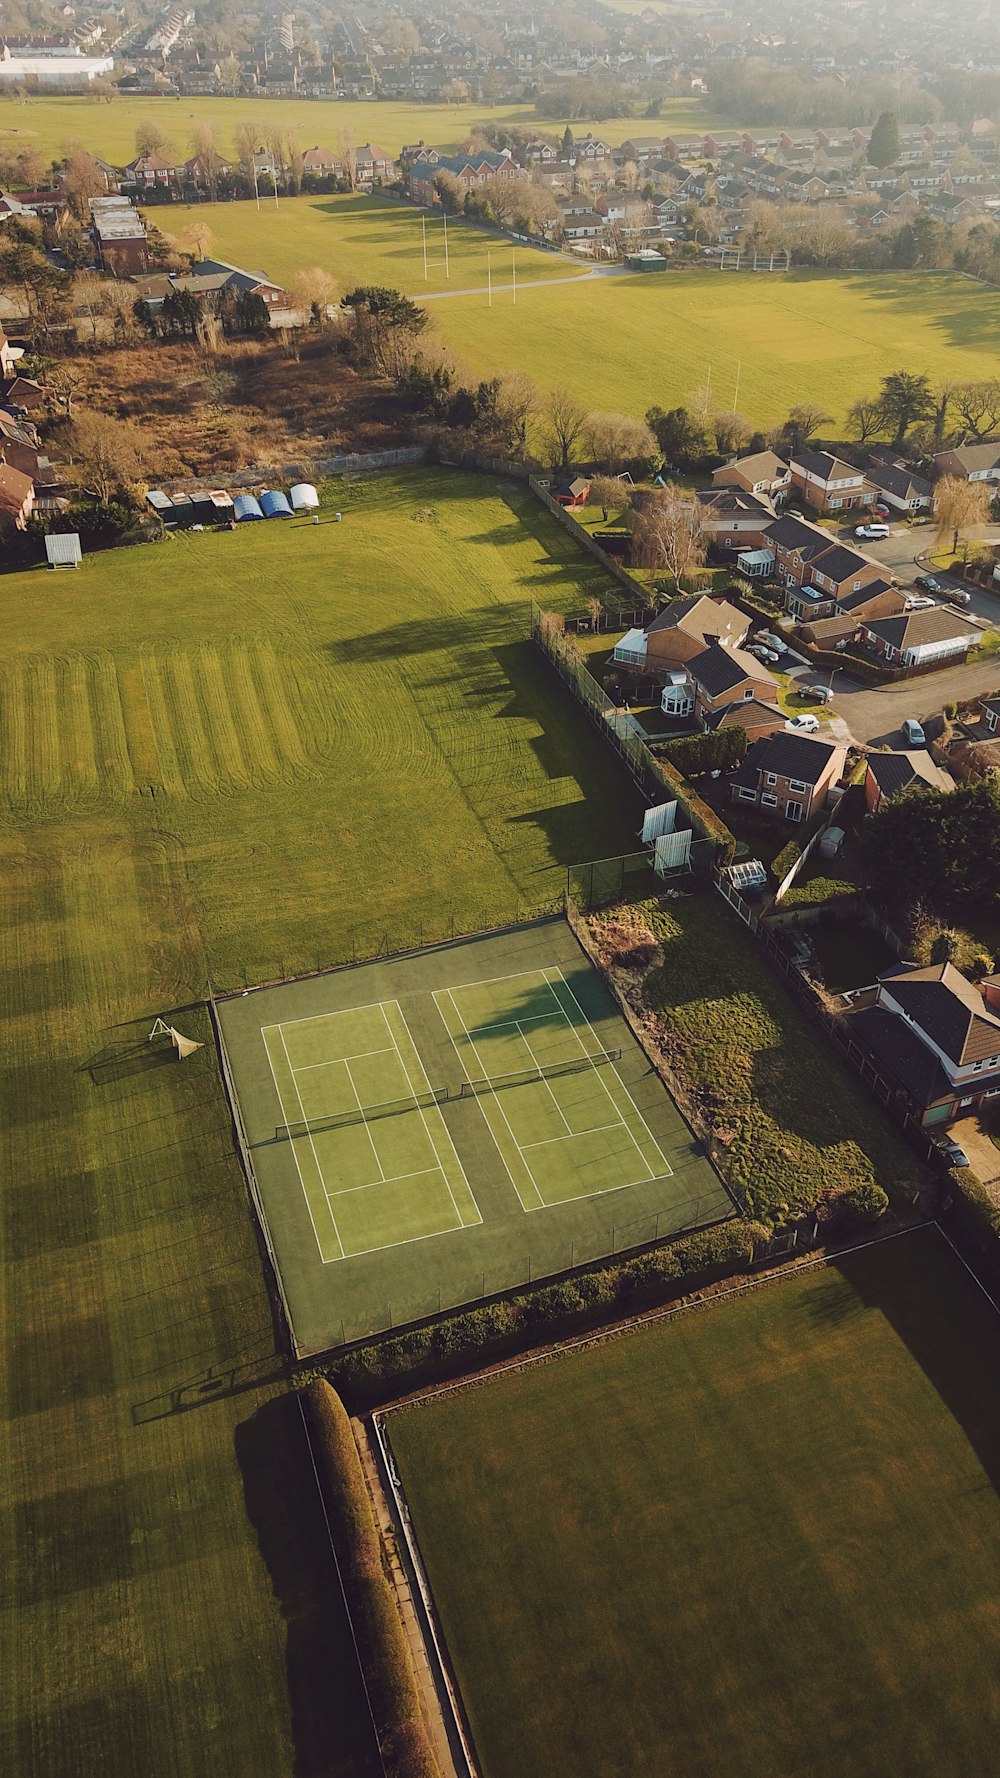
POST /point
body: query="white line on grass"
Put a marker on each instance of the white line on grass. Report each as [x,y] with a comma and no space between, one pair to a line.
[451,995]
[332,1061]
[295,1153]
[444,1126]
[668,1169]
[381,1176]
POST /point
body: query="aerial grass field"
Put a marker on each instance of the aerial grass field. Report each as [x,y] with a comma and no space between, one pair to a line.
[759,1539]
[48,124]
[231,755]
[360,240]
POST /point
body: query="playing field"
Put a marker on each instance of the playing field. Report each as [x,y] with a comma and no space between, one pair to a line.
[109,130]
[443,1126]
[761,1539]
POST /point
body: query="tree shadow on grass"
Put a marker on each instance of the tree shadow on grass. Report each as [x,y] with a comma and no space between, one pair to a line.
[330,1723]
[946,1322]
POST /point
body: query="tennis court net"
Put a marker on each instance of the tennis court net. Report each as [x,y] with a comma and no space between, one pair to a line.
[497,1083]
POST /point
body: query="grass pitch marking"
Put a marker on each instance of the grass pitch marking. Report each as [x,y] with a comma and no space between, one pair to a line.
[536,1191]
[328,1168]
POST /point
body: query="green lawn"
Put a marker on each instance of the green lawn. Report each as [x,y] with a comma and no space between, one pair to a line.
[109,129]
[360,240]
[237,754]
[793,1120]
[760,1539]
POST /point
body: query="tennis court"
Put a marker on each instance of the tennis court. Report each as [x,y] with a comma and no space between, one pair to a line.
[437,1127]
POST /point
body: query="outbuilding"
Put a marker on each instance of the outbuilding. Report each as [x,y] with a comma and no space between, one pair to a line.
[63,550]
[245,507]
[304,497]
[274,504]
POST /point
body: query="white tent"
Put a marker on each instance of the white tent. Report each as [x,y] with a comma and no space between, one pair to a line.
[63,550]
[304,497]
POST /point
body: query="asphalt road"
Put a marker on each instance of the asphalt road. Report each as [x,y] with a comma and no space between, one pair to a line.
[904,551]
[874,713]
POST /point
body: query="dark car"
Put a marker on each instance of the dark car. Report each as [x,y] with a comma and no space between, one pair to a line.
[928,584]
[951,1152]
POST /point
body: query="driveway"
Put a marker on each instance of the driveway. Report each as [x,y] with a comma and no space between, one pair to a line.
[984,1157]
[905,551]
[875,713]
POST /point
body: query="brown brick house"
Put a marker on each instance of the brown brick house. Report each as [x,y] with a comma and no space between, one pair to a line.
[684,628]
[722,676]
[756,715]
[790,775]
[829,484]
[17,496]
[920,638]
[889,774]
[765,474]
[733,519]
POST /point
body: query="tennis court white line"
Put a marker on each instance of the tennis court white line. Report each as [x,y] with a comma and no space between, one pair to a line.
[298,1169]
[364,1120]
[315,1156]
[508,1024]
[669,1172]
[355,1056]
[451,995]
[444,1126]
[336,1012]
[541,1077]
[592,1059]
[370,1184]
[594,1130]
[430,1139]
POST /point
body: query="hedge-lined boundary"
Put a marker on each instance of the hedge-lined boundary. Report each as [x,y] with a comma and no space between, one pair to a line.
[463,1342]
[969,1212]
[385,1656]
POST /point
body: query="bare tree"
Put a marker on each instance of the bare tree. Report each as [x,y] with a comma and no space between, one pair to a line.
[348,149]
[109,453]
[88,301]
[978,406]
[959,505]
[517,406]
[804,421]
[152,138]
[565,418]
[82,180]
[247,143]
[618,439]
[731,430]
[196,239]
[668,531]
[866,418]
[314,290]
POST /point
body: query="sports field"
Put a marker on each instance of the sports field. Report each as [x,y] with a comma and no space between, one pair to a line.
[759,1539]
[237,755]
[439,1127]
[109,130]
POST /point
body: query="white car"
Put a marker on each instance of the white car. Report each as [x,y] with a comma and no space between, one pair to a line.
[871,531]
[920,602]
[806,724]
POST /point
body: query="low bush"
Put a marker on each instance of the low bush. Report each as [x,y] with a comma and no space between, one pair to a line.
[480,1335]
[974,1211]
[718,750]
[817,891]
[789,855]
[382,1646]
[851,1207]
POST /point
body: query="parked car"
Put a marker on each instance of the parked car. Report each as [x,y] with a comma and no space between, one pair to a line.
[880,512]
[951,1152]
[770,640]
[767,655]
[817,694]
[920,602]
[928,584]
[806,724]
[959,595]
[913,733]
[874,530]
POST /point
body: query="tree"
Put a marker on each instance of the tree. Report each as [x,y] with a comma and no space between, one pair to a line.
[866,418]
[348,150]
[803,422]
[43,289]
[679,435]
[937,849]
[197,239]
[617,440]
[606,491]
[385,326]
[82,180]
[978,406]
[731,431]
[668,531]
[401,37]
[567,142]
[450,190]
[959,505]
[108,454]
[152,138]
[906,398]
[565,418]
[883,143]
[315,291]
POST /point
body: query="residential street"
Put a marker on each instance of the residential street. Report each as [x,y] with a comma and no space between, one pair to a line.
[904,552]
[874,713]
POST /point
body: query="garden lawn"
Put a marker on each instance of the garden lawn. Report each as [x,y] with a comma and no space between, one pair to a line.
[790,1118]
[235,755]
[359,240]
[48,124]
[760,1539]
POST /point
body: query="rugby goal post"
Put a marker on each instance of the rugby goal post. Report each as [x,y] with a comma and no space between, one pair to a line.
[183,1046]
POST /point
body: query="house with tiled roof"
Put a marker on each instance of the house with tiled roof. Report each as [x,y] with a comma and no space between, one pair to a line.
[683,629]
[917,638]
[990,708]
[900,488]
[723,676]
[937,1037]
[789,775]
[889,774]
[973,463]
[763,473]
[829,484]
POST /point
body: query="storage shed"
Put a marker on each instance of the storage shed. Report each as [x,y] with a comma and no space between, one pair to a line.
[161,504]
[304,497]
[274,504]
[245,506]
[63,551]
[184,513]
[222,505]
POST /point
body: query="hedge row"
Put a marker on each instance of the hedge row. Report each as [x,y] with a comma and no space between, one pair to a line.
[385,1657]
[479,1336]
[817,892]
[782,864]
[704,820]
[975,1214]
[717,750]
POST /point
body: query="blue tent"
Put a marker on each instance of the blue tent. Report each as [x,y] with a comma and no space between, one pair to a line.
[274,504]
[246,507]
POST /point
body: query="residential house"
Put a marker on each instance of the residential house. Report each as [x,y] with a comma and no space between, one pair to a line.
[241,282]
[119,236]
[17,496]
[899,487]
[757,716]
[9,355]
[642,149]
[683,629]
[764,474]
[322,163]
[372,164]
[583,228]
[937,1037]
[839,577]
[789,774]
[828,483]
[472,171]
[591,149]
[20,448]
[19,395]
[920,638]
[722,676]
[150,172]
[734,520]
[990,708]
[889,774]
[973,463]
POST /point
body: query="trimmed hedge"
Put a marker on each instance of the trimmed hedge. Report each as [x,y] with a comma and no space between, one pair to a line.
[789,855]
[704,820]
[385,1656]
[817,891]
[480,1336]
[974,1211]
[717,750]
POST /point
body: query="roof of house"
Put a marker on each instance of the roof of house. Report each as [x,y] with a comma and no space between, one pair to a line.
[23,392]
[798,536]
[825,466]
[762,466]
[745,713]
[701,616]
[912,629]
[790,756]
[15,488]
[897,479]
[949,1010]
[969,458]
[991,704]
[840,562]
[734,501]
[873,589]
[719,669]
[579,485]
[903,1053]
[894,772]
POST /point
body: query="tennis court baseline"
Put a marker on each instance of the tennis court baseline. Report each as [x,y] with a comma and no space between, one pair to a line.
[389,1175]
[561,1136]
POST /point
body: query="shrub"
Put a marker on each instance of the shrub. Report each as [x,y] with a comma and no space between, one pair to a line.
[852,1206]
[817,891]
[717,750]
[788,856]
